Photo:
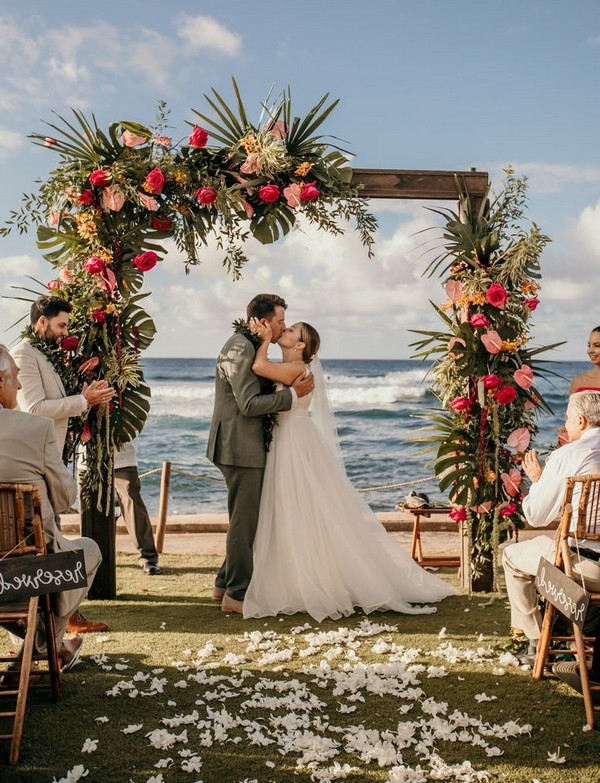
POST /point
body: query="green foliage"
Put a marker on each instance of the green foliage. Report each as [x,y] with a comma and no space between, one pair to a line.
[485,370]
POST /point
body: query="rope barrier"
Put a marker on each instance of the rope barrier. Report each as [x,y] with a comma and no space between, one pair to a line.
[379,488]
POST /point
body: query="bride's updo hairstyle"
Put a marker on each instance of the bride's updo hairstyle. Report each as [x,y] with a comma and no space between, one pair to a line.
[312,341]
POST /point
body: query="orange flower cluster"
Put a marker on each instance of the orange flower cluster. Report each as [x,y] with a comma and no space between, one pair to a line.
[249,143]
[86,226]
[303,169]
[530,287]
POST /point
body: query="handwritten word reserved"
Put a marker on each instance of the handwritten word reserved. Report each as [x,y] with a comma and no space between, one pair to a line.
[565,598]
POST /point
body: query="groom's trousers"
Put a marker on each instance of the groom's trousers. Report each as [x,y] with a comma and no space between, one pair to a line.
[244,487]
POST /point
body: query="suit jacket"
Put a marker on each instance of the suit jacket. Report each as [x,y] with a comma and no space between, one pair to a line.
[29,455]
[236,433]
[43,391]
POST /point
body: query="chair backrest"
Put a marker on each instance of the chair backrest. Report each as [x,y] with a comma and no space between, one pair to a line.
[584,491]
[21,531]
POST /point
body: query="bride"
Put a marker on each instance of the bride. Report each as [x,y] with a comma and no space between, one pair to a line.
[319,548]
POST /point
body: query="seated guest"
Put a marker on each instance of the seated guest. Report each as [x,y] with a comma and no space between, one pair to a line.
[29,454]
[581,455]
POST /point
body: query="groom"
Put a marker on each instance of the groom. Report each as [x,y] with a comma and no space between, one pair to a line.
[236,444]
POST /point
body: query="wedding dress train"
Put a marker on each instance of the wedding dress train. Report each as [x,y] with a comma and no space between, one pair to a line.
[319,548]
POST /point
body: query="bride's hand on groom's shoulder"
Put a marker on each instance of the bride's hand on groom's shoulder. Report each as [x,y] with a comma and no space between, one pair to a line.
[262,330]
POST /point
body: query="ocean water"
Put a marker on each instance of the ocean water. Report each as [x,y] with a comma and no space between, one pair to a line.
[379,406]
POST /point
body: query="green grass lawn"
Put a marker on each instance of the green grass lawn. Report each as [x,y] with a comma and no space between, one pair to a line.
[205,696]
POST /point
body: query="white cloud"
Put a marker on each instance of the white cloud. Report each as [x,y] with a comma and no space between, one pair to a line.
[587,230]
[9,141]
[203,33]
[545,178]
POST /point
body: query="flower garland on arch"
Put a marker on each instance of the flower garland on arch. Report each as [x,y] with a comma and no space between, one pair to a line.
[115,195]
[486,371]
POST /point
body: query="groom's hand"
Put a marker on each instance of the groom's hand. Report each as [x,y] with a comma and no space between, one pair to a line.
[304,385]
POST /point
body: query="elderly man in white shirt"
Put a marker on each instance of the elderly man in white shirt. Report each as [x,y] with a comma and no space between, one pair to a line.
[581,455]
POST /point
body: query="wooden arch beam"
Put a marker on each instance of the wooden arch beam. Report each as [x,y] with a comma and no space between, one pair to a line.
[429,185]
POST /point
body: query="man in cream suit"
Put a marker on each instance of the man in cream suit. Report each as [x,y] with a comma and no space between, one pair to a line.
[42,392]
[29,454]
[236,445]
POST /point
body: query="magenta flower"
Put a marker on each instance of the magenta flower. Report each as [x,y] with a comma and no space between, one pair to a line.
[505,395]
[508,510]
[309,192]
[496,295]
[198,137]
[69,343]
[479,321]
[154,181]
[206,195]
[269,193]
[458,514]
[94,265]
[532,303]
[460,404]
[100,178]
[145,261]
[492,381]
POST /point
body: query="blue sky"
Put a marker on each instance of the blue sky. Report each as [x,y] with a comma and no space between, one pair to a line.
[424,85]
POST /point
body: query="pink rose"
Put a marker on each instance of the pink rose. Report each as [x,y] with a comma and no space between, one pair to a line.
[458,514]
[145,261]
[309,192]
[479,320]
[496,295]
[512,481]
[99,316]
[206,195]
[460,404]
[69,343]
[508,510]
[523,376]
[161,223]
[113,198]
[492,341]
[94,265]
[129,139]
[163,141]
[89,365]
[251,164]
[149,202]
[154,181]
[65,274]
[269,193]
[198,137]
[454,290]
[492,381]
[519,439]
[532,303]
[54,285]
[292,195]
[87,197]
[505,395]
[99,178]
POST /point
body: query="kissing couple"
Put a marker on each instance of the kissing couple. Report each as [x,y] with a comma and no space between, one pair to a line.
[300,537]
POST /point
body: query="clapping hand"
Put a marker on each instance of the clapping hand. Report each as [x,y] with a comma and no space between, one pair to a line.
[262,329]
[532,465]
[97,393]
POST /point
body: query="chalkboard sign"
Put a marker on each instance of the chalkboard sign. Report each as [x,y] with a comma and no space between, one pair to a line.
[22,577]
[562,592]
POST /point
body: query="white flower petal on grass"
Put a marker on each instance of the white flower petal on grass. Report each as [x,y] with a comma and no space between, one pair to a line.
[90,746]
[270,764]
[193,764]
[479,697]
[164,763]
[556,758]
[101,719]
[73,775]
[494,752]
[587,727]
[156,778]
[163,625]
[404,774]
[132,728]
[442,634]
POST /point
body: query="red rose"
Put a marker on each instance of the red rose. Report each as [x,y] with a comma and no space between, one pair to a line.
[532,303]
[458,514]
[492,381]
[99,178]
[479,320]
[199,137]
[496,295]
[508,510]
[309,192]
[460,404]
[154,181]
[206,195]
[268,193]
[94,265]
[505,395]
[87,197]
[145,261]
[99,316]
[89,365]
[69,343]
[161,223]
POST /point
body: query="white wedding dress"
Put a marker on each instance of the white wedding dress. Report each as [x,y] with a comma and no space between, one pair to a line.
[319,548]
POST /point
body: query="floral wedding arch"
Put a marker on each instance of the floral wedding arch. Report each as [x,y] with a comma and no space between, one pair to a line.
[114,197]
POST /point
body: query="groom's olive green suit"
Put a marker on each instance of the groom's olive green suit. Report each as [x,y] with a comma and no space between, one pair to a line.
[236,447]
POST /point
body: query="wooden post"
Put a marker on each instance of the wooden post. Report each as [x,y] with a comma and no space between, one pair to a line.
[165,481]
[102,528]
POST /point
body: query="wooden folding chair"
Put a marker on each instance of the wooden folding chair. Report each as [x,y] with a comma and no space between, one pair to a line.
[587,528]
[21,535]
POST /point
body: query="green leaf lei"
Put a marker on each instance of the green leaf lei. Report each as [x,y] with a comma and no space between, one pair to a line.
[269,420]
[65,367]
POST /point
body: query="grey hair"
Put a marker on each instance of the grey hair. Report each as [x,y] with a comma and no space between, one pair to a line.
[587,404]
[6,366]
